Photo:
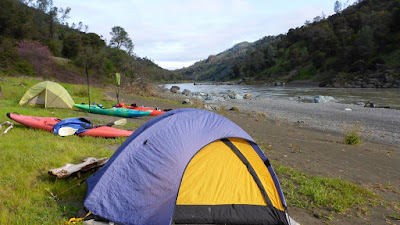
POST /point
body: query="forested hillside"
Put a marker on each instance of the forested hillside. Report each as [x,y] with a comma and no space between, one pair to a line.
[35,40]
[359,46]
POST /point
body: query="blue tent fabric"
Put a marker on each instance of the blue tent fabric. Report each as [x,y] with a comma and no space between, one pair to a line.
[140,182]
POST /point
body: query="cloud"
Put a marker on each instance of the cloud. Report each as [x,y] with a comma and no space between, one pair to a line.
[174,32]
[171,65]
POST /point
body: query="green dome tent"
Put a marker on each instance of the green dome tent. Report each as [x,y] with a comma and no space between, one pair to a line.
[49,94]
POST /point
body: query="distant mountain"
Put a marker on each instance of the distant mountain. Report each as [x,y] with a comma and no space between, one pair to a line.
[219,67]
[216,67]
[357,47]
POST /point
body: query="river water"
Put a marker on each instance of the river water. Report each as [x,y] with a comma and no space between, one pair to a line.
[380,97]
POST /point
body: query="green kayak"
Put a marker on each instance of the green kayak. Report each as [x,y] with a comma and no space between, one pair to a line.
[122,112]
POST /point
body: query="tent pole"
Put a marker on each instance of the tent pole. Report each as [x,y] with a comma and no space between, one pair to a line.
[118,95]
[87,78]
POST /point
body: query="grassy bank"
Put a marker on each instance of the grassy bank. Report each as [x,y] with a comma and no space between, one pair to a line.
[27,154]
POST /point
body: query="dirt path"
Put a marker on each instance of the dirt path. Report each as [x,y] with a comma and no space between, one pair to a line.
[372,165]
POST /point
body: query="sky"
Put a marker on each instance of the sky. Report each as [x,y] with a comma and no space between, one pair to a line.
[177,33]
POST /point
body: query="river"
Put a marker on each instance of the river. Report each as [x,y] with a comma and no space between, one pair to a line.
[380,97]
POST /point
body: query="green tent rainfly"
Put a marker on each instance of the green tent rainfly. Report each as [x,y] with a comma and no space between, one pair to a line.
[49,94]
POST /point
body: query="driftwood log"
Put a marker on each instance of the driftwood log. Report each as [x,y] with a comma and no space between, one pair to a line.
[69,169]
[372,105]
[11,125]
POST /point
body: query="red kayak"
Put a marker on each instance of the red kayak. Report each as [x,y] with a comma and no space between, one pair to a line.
[107,132]
[47,123]
[154,112]
[44,123]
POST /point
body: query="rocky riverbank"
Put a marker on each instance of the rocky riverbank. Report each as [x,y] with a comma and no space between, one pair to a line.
[376,124]
[388,78]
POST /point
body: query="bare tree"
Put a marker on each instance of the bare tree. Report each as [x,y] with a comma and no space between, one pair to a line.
[337,8]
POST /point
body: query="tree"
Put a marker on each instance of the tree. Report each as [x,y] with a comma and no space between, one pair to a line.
[64,14]
[337,8]
[72,44]
[80,25]
[120,38]
[365,43]
[317,19]
[37,55]
[52,18]
[46,6]
[269,55]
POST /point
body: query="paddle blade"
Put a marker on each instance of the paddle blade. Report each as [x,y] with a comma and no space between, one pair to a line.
[66,131]
[119,122]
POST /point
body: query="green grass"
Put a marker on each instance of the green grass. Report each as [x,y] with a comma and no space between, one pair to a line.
[315,192]
[27,155]
[325,196]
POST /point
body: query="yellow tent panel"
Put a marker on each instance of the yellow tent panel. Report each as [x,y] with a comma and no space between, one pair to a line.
[217,176]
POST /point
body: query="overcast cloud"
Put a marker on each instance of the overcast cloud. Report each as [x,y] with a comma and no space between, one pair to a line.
[176,34]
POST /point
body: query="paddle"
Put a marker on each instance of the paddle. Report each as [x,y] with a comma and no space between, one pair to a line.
[67,131]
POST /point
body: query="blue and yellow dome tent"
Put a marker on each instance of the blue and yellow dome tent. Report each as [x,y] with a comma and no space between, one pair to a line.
[187,166]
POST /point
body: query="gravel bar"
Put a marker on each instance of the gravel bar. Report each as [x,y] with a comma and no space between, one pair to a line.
[377,124]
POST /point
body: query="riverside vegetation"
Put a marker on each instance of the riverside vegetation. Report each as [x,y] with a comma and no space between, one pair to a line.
[358,46]
[26,186]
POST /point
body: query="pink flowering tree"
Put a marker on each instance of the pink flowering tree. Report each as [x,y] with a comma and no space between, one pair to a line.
[37,55]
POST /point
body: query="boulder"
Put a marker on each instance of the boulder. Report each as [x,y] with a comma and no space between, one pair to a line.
[231,94]
[247,96]
[212,107]
[237,96]
[187,101]
[210,98]
[175,89]
[220,99]
[224,96]
[323,99]
[186,92]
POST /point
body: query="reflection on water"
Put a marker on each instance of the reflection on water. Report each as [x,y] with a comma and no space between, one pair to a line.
[381,97]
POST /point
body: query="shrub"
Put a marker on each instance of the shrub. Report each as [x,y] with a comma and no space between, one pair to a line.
[55,47]
[235,108]
[37,55]
[24,67]
[8,53]
[352,134]
[143,88]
